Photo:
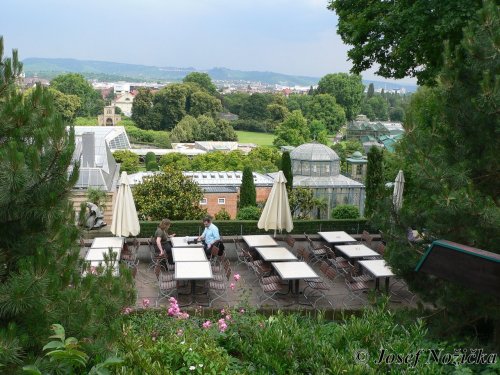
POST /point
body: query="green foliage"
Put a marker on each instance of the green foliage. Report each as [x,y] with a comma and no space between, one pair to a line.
[149,137]
[128,160]
[248,194]
[143,112]
[318,132]
[91,103]
[450,159]
[97,196]
[249,213]
[203,80]
[371,91]
[150,156]
[345,212]
[375,33]
[345,149]
[376,108]
[251,125]
[303,203]
[324,107]
[152,166]
[67,105]
[85,121]
[260,139]
[294,131]
[255,107]
[286,167]
[347,89]
[168,194]
[374,180]
[222,215]
[40,278]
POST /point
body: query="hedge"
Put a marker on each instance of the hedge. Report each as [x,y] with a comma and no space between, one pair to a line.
[245,227]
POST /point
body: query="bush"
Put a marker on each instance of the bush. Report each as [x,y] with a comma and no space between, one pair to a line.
[155,138]
[222,215]
[250,125]
[152,166]
[98,197]
[150,156]
[128,160]
[347,211]
[249,213]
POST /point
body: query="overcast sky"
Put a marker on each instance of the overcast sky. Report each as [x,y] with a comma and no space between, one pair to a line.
[295,37]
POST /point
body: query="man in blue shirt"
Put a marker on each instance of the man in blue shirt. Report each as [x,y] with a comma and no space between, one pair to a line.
[209,235]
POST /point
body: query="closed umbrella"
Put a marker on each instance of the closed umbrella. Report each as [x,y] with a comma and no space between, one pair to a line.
[276,214]
[125,221]
[397,195]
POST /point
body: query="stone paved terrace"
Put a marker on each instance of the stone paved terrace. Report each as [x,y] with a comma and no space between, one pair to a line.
[147,287]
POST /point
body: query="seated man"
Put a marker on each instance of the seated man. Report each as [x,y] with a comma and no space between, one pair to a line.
[210,235]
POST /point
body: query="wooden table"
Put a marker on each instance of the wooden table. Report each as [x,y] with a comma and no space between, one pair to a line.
[336,237]
[192,271]
[356,251]
[183,242]
[272,254]
[294,271]
[188,254]
[259,240]
[378,268]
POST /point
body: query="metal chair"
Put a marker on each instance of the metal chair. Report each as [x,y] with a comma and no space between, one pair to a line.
[315,290]
[318,252]
[290,241]
[218,288]
[167,287]
[269,291]
[356,290]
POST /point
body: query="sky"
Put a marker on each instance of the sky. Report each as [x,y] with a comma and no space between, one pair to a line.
[296,37]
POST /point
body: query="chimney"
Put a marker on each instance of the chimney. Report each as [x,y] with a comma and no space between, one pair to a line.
[88,150]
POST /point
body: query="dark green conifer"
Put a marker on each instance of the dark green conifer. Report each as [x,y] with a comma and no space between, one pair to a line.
[248,195]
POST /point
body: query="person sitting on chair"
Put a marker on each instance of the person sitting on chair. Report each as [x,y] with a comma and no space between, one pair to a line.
[209,236]
[162,242]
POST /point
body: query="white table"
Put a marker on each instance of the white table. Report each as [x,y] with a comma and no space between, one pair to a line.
[97,254]
[272,254]
[259,240]
[294,271]
[192,271]
[378,268]
[356,251]
[97,263]
[188,254]
[336,237]
[105,242]
[182,242]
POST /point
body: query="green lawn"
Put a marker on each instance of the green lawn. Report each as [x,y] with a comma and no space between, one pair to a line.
[260,139]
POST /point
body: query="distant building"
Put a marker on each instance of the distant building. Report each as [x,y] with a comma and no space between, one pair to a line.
[109,118]
[121,88]
[317,166]
[124,101]
[357,166]
[358,129]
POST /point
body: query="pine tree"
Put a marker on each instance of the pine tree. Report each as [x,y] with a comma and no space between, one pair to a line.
[374,180]
[40,273]
[248,195]
[371,91]
[286,167]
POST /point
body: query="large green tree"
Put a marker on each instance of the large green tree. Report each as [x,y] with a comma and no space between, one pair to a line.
[75,84]
[347,90]
[324,108]
[450,159]
[203,80]
[168,195]
[144,113]
[294,131]
[405,38]
[41,280]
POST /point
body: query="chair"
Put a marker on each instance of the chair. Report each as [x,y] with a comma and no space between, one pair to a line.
[366,238]
[218,288]
[356,275]
[315,289]
[155,258]
[290,241]
[355,289]
[167,287]
[269,291]
[380,248]
[317,251]
[132,261]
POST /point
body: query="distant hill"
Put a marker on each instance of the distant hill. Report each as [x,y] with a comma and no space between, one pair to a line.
[111,71]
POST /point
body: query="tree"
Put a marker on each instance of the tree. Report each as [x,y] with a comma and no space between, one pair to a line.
[294,131]
[128,160]
[143,112]
[374,180]
[318,132]
[286,167]
[347,90]
[397,114]
[248,194]
[177,161]
[377,34]
[202,103]
[255,107]
[171,103]
[168,195]
[249,213]
[75,84]
[449,156]
[66,105]
[203,80]
[379,107]
[187,130]
[323,107]
[40,279]
[303,203]
[215,130]
[345,149]
[371,91]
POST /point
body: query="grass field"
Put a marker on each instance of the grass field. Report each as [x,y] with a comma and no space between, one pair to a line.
[260,139]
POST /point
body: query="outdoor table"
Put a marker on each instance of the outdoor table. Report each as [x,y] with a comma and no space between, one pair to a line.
[97,263]
[294,271]
[272,254]
[336,237]
[356,251]
[378,268]
[183,242]
[192,271]
[106,242]
[188,254]
[259,240]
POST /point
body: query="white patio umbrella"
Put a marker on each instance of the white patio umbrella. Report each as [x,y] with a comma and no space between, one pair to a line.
[125,221]
[397,195]
[276,214]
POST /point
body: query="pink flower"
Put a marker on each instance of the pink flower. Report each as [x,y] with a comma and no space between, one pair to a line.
[232,286]
[145,302]
[180,332]
[127,310]
[172,300]
[236,276]
[228,317]
[222,325]
[182,315]
[242,311]
[223,312]
[207,324]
